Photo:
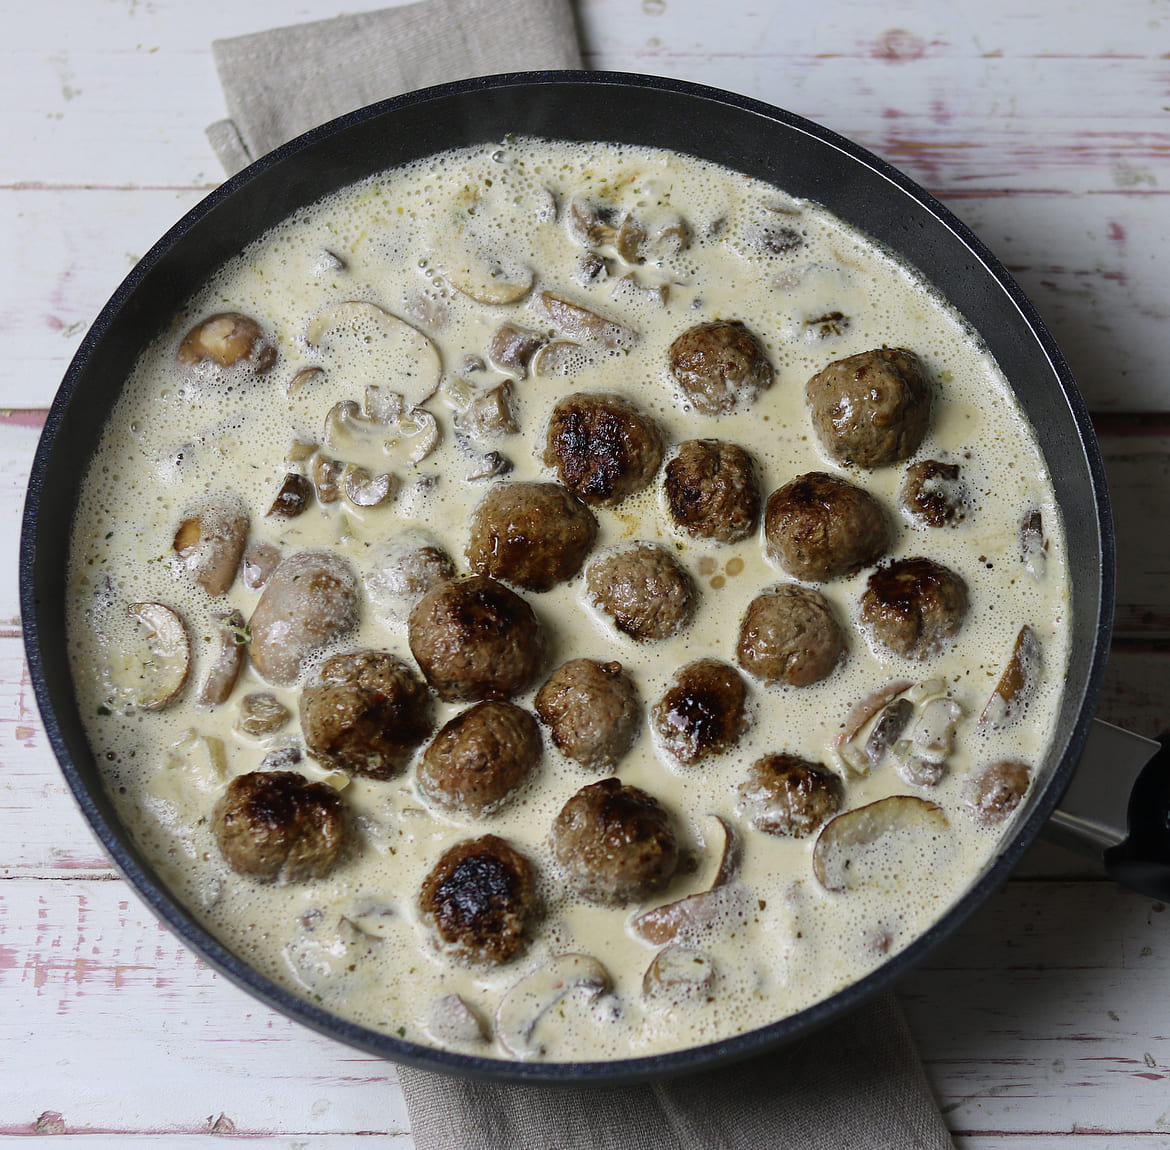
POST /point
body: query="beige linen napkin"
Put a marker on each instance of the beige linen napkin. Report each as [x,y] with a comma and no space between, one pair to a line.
[855,1085]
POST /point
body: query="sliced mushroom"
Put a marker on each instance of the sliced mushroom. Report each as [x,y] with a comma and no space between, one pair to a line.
[262,714]
[1018,683]
[304,378]
[452,1022]
[193,767]
[161,675]
[489,413]
[226,339]
[293,497]
[232,639]
[1033,544]
[867,708]
[522,1007]
[368,342]
[327,477]
[584,326]
[210,542]
[876,846]
[393,433]
[372,916]
[259,561]
[721,907]
[365,490]
[887,730]
[678,973]
[560,358]
[512,347]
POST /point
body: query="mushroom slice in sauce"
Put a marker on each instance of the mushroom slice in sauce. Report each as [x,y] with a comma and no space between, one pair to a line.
[535,995]
[584,326]
[1018,683]
[451,1021]
[390,433]
[512,347]
[878,846]
[560,358]
[262,714]
[678,973]
[293,497]
[365,490]
[229,659]
[368,342]
[161,674]
[1033,543]
[210,542]
[225,339]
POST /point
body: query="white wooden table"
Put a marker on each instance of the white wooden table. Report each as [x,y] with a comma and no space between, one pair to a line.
[1045,124]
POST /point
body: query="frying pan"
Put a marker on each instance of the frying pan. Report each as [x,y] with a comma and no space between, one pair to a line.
[804,159]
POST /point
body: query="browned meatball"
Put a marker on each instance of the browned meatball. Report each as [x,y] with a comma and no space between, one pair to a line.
[915,606]
[279,826]
[820,527]
[614,843]
[479,901]
[720,366]
[534,535]
[475,763]
[995,791]
[871,409]
[602,446]
[644,589]
[475,639]
[787,795]
[711,490]
[591,710]
[933,494]
[790,635]
[703,712]
[366,714]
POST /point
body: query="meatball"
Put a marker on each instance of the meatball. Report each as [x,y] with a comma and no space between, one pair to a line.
[366,714]
[403,569]
[789,796]
[604,448]
[475,639]
[720,366]
[475,763]
[711,490]
[614,843]
[279,826]
[819,527]
[703,712]
[933,494]
[914,606]
[644,589]
[591,710]
[790,635]
[534,535]
[995,791]
[479,901]
[871,409]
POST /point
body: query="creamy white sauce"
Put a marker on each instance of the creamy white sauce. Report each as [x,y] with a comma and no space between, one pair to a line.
[180,434]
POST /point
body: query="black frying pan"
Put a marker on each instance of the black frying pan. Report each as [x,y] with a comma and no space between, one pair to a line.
[776,146]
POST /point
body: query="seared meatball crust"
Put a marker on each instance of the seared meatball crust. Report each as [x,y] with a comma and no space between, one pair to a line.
[645,591]
[592,711]
[915,607]
[533,535]
[711,490]
[366,714]
[720,366]
[789,796]
[479,901]
[703,712]
[603,448]
[871,409]
[820,527]
[790,635]
[475,639]
[615,844]
[479,758]
[277,826]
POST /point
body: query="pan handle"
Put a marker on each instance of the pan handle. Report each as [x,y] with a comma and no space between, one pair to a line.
[1117,808]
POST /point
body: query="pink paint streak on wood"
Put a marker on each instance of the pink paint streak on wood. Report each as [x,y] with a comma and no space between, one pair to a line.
[23,417]
[898,46]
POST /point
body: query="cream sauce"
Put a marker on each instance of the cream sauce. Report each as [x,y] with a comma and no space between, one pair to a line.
[352,941]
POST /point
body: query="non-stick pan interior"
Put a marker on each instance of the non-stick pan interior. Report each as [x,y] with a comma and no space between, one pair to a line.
[806,161]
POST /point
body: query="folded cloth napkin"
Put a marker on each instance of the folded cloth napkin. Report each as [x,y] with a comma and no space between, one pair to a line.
[857,1084]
